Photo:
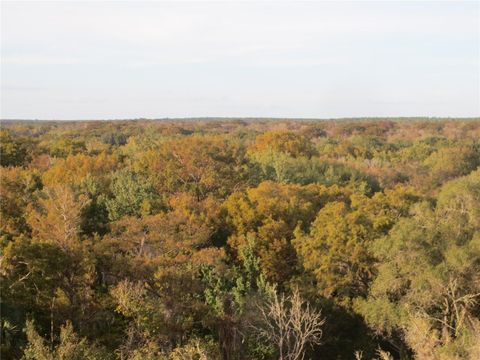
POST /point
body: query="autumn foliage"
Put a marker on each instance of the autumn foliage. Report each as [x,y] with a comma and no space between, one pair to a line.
[240,239]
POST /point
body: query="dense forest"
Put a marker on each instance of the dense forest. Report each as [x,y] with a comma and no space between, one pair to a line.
[240,239]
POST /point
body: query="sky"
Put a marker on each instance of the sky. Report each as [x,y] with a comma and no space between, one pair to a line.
[111,60]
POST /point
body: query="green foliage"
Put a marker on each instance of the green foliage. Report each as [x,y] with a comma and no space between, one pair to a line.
[46,281]
[427,284]
[232,298]
[451,162]
[132,196]
[70,346]
[282,168]
[13,151]
[95,214]
[64,146]
[239,284]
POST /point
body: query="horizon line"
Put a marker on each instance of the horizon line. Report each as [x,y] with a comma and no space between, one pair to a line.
[254,118]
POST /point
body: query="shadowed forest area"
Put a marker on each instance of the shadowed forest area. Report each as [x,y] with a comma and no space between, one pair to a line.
[240,239]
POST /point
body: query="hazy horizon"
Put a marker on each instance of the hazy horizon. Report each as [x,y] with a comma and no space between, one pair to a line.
[155,60]
[254,118]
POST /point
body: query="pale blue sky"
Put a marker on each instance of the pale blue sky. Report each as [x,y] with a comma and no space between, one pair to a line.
[104,60]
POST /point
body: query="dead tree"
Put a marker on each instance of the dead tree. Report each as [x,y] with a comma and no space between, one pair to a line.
[290,324]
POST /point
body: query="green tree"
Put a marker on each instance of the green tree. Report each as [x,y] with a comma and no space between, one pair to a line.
[132,196]
[70,346]
[44,281]
[450,162]
[12,151]
[427,288]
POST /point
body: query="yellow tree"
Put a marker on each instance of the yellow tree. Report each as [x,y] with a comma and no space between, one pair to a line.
[337,250]
[282,141]
[57,216]
[269,214]
[17,187]
[75,168]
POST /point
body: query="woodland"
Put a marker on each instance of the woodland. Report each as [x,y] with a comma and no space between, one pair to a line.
[240,239]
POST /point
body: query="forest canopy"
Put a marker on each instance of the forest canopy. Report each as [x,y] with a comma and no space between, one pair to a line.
[240,239]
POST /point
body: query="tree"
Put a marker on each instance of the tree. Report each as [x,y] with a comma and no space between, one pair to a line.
[17,189]
[450,162]
[427,288]
[200,165]
[282,168]
[282,141]
[44,281]
[132,196]
[138,246]
[57,216]
[290,324]
[337,248]
[150,262]
[12,151]
[278,152]
[76,168]
[231,294]
[64,146]
[270,213]
[195,349]
[70,346]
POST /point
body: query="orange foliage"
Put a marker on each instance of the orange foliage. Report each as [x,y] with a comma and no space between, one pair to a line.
[74,168]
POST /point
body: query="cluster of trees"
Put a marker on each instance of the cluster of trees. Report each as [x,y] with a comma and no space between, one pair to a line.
[240,239]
